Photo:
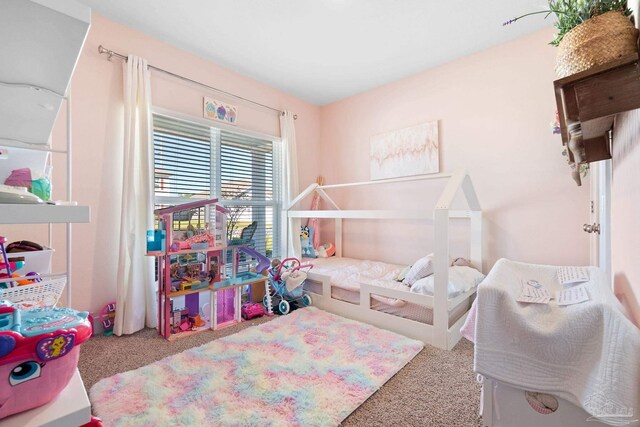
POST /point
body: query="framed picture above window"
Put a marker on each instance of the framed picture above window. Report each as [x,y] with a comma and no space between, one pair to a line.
[220,111]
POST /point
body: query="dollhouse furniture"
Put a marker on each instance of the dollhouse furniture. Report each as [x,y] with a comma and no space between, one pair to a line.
[195,261]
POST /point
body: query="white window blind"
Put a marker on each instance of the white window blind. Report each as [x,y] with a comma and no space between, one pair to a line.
[193,161]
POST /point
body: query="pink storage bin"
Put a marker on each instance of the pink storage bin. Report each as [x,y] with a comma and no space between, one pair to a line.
[39,351]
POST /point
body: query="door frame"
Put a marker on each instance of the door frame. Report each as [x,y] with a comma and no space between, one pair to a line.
[600,246]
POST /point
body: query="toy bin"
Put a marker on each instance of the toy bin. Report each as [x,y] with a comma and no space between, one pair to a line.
[36,261]
[39,352]
[32,170]
[44,293]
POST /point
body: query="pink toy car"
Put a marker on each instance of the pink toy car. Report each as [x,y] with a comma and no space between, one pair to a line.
[251,310]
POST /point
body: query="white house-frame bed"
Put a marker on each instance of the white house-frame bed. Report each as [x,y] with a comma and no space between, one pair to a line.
[440,333]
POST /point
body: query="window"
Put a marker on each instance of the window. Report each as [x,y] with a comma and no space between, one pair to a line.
[193,161]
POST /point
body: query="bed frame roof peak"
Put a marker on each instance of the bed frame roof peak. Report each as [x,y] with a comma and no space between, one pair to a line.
[457,180]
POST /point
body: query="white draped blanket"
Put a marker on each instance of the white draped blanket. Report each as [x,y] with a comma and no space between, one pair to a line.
[586,353]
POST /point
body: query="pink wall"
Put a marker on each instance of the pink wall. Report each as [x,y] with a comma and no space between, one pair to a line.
[494,109]
[625,211]
[96,111]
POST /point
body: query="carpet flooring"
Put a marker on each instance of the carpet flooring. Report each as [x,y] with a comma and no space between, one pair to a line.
[437,388]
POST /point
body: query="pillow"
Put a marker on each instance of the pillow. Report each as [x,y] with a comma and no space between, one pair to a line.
[421,268]
[403,273]
[306,239]
[461,279]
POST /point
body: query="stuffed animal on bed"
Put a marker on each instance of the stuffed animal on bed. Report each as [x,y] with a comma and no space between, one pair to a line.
[326,250]
[306,239]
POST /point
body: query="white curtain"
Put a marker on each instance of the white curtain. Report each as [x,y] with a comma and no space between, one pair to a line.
[291,229]
[135,293]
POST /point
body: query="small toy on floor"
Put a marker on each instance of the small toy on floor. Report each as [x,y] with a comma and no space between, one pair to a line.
[252,309]
[107,317]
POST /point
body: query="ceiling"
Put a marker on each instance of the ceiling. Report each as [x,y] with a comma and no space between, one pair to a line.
[325,50]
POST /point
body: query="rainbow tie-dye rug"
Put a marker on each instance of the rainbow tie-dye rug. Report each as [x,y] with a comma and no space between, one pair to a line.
[309,368]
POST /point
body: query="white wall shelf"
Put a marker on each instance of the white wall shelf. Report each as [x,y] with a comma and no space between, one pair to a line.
[43,214]
[45,42]
[24,146]
[42,41]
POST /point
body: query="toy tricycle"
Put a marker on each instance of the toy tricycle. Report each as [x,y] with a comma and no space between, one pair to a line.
[285,279]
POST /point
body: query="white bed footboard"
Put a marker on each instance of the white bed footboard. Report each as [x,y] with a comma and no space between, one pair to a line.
[364,312]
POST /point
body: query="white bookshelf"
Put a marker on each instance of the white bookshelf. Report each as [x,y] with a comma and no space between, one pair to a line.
[33,88]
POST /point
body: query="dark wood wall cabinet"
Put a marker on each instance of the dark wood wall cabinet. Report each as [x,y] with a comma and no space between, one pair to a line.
[587,104]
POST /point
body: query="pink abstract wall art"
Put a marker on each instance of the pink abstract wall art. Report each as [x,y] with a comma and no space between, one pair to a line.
[405,152]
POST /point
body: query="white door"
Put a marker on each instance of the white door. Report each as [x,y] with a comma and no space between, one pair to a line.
[600,215]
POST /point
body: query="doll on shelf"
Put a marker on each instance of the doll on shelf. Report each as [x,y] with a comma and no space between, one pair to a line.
[177,273]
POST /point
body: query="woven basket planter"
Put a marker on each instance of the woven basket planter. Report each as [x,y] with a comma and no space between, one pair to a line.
[599,40]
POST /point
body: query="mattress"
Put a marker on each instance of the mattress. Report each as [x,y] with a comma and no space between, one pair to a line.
[347,274]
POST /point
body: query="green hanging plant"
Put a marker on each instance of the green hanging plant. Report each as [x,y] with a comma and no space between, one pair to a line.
[571,13]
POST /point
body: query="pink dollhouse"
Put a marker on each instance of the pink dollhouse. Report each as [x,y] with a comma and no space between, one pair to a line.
[191,260]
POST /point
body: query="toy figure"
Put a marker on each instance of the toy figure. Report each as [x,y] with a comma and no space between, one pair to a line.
[174,271]
[193,270]
[326,250]
[196,321]
[306,236]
